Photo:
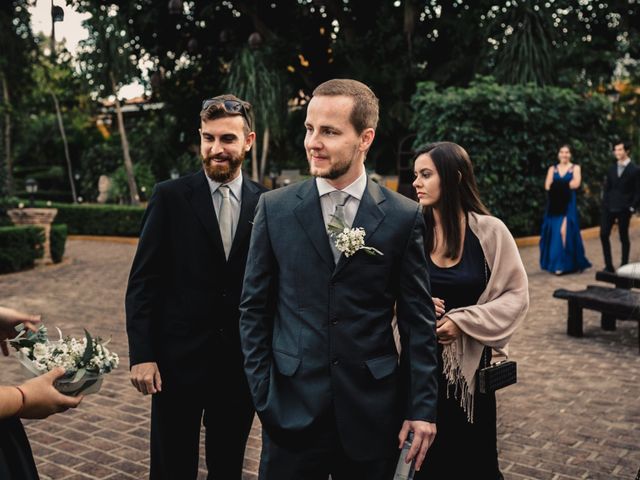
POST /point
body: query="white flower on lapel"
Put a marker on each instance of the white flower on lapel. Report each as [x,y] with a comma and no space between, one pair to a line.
[349,240]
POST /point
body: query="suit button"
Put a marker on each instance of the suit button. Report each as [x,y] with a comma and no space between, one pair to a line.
[334,321]
[335,361]
[223,293]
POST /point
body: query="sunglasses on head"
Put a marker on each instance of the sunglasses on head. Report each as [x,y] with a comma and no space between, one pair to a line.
[229,106]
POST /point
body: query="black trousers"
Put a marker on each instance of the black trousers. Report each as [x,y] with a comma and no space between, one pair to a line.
[606,223]
[317,453]
[176,419]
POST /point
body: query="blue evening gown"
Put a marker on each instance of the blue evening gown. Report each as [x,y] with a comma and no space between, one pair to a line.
[555,257]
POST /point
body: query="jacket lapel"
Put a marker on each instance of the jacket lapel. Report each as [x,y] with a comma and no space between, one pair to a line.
[202,204]
[369,217]
[309,215]
[250,195]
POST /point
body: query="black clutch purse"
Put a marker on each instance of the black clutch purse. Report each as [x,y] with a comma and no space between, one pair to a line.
[497,375]
[559,198]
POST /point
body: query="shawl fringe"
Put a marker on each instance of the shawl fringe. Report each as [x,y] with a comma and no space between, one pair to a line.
[455,378]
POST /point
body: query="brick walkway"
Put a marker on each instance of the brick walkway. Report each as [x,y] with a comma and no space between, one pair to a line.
[575,413]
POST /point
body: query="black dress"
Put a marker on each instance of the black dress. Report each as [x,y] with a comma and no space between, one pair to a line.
[16,459]
[462,450]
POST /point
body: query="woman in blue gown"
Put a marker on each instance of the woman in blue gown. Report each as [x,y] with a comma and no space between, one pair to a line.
[561,248]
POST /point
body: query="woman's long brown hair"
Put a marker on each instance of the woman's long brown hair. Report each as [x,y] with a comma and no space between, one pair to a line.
[458,192]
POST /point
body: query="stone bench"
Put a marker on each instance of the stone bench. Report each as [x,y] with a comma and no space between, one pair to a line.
[613,303]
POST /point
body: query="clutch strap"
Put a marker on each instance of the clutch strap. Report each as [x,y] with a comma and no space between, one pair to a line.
[485,350]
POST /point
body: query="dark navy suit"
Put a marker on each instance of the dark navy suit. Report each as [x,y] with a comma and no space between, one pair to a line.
[317,337]
[621,196]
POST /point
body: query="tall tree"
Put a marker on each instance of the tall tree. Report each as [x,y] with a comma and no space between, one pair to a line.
[106,59]
[16,57]
[53,78]
[524,47]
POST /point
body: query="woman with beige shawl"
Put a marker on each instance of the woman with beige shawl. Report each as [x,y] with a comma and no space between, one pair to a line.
[480,293]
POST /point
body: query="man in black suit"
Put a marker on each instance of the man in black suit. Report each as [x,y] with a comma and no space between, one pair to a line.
[182,303]
[621,198]
[316,323]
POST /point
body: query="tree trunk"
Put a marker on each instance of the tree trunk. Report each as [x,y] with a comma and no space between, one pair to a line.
[7,136]
[128,164]
[254,162]
[66,147]
[265,152]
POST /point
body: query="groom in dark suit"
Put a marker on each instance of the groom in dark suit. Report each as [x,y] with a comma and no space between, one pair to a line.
[182,303]
[331,391]
[621,198]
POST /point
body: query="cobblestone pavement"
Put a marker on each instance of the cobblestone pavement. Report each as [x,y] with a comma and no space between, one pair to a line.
[575,413]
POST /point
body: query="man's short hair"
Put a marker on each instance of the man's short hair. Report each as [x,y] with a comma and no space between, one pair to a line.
[227,105]
[625,144]
[365,110]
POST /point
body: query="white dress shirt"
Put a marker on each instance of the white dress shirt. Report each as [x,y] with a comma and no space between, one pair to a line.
[355,190]
[235,198]
[622,165]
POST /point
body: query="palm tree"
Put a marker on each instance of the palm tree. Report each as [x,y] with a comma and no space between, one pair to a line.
[252,80]
[524,45]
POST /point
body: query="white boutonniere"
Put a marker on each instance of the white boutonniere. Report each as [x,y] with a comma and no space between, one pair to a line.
[349,240]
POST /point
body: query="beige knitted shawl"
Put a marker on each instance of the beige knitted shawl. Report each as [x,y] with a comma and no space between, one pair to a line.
[499,311]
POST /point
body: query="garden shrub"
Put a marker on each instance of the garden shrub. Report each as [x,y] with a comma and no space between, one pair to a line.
[512,134]
[93,219]
[20,246]
[57,242]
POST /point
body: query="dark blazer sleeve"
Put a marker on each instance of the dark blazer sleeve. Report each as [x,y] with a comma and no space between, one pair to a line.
[144,282]
[636,185]
[606,187]
[257,308]
[416,324]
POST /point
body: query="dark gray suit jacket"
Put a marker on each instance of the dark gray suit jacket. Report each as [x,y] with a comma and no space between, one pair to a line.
[621,193]
[317,336]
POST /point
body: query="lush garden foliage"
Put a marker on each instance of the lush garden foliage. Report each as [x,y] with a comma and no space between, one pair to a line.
[56,130]
[512,134]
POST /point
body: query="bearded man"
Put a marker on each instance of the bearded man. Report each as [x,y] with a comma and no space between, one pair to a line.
[182,303]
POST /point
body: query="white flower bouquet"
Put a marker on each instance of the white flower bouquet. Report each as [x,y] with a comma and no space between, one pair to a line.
[85,361]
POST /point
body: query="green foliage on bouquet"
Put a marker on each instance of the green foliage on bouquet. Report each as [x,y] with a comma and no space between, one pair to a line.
[512,134]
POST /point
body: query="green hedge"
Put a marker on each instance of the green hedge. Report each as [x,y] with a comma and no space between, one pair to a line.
[108,220]
[57,242]
[20,247]
[111,220]
[512,134]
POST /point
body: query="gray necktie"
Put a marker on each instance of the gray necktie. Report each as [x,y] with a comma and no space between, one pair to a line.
[339,199]
[620,169]
[225,219]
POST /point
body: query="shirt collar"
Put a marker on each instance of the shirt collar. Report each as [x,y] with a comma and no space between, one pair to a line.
[235,186]
[624,163]
[356,189]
